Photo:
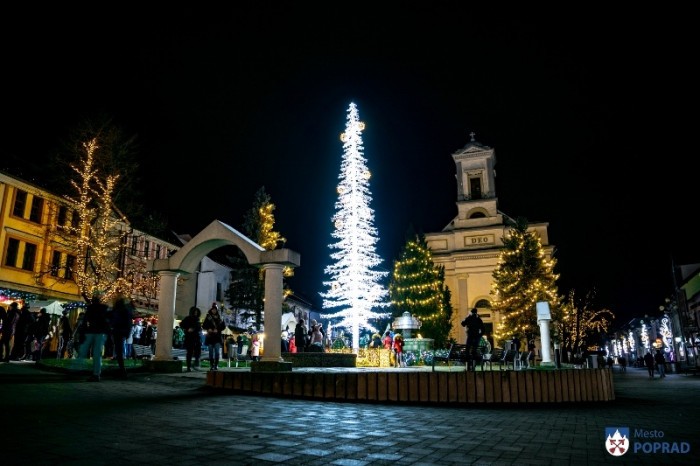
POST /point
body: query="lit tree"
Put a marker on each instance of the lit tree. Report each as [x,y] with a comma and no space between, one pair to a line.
[578,325]
[94,177]
[247,289]
[100,234]
[418,287]
[522,277]
[354,285]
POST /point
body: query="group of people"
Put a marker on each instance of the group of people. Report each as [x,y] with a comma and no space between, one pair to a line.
[23,334]
[306,340]
[655,361]
[392,341]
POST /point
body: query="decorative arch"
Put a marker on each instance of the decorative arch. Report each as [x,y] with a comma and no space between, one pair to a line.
[186,260]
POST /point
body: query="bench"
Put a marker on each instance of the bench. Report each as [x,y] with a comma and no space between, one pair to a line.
[508,358]
[242,358]
[494,357]
[178,354]
[457,353]
[142,351]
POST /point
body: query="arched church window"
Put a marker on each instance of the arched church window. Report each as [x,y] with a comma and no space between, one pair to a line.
[483,304]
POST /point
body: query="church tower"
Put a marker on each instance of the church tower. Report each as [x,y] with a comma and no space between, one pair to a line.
[469,246]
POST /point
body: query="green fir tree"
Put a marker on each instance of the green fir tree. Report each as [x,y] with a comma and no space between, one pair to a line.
[523,277]
[418,287]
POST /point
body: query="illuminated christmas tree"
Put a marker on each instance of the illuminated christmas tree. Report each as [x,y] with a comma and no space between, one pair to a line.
[523,277]
[418,287]
[247,288]
[100,234]
[579,325]
[354,284]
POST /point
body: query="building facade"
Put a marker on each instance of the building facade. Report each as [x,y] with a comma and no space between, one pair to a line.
[469,246]
[36,257]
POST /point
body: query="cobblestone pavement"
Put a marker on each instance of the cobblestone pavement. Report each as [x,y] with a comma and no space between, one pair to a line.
[174,419]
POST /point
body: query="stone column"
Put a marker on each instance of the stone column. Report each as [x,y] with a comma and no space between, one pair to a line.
[543,318]
[273,311]
[166,314]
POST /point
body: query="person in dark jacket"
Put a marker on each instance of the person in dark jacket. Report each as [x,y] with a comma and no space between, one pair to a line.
[122,320]
[23,331]
[214,325]
[193,343]
[300,336]
[475,328]
[649,363]
[9,325]
[96,331]
[42,327]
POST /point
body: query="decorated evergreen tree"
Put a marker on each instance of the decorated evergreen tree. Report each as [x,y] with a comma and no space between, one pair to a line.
[354,285]
[418,287]
[247,289]
[523,277]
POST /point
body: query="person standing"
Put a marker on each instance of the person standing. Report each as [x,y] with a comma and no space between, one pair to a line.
[398,350]
[255,348]
[300,336]
[138,333]
[9,324]
[193,345]
[531,353]
[21,348]
[285,340]
[475,328]
[660,363]
[649,363]
[213,325]
[96,331]
[65,331]
[122,321]
[41,332]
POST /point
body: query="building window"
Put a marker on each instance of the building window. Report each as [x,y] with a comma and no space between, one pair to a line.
[157,251]
[55,263]
[62,216]
[146,249]
[475,188]
[70,263]
[20,203]
[75,222]
[134,245]
[218,292]
[37,209]
[29,256]
[11,253]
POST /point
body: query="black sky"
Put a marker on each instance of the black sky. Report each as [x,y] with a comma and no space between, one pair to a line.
[586,111]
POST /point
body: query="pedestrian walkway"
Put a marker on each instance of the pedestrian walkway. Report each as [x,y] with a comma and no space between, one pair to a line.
[173,419]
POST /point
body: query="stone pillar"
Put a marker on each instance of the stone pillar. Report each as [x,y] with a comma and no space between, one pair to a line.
[166,314]
[543,318]
[273,312]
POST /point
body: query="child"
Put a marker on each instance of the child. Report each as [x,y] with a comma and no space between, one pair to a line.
[398,350]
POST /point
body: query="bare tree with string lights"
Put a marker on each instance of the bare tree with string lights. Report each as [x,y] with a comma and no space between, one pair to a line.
[354,284]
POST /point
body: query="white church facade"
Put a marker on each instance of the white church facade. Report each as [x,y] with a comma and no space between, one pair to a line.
[469,246]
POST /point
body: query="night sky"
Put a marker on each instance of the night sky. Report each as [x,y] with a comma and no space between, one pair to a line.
[589,113]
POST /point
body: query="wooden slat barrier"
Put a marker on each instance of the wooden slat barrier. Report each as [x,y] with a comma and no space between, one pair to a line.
[448,388]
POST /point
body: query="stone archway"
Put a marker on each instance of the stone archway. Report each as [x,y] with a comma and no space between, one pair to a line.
[186,260]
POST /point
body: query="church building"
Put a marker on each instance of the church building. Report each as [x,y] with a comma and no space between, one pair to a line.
[469,246]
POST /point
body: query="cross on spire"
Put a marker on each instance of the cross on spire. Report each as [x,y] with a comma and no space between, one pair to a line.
[472,134]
